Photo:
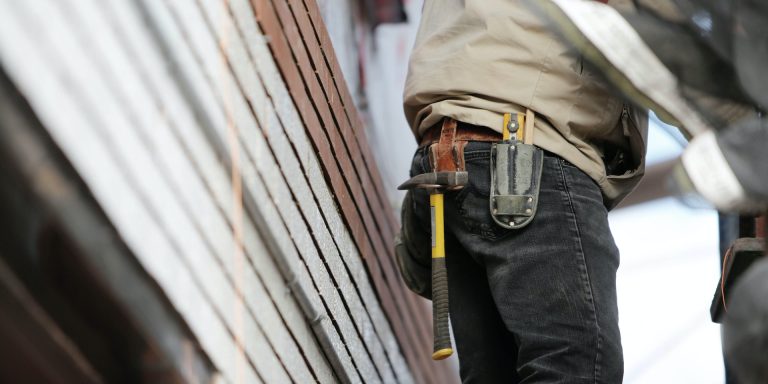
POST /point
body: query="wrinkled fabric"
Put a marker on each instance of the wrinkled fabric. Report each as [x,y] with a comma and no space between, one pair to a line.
[474,60]
[700,65]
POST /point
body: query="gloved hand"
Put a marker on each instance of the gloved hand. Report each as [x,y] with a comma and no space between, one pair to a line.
[413,248]
[728,169]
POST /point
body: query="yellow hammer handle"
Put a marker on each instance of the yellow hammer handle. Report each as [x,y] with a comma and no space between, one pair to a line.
[436,202]
[440,309]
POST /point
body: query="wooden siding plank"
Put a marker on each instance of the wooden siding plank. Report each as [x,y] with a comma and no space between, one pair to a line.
[320,64]
[209,167]
[288,115]
[61,107]
[280,50]
[353,229]
[338,85]
[346,149]
[282,53]
[304,106]
[264,267]
[281,147]
[104,253]
[289,357]
[297,228]
[207,218]
[335,82]
[131,151]
[240,107]
[349,106]
[329,120]
[330,88]
[211,245]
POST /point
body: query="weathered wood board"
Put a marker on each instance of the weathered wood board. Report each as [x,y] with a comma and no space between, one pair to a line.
[222,143]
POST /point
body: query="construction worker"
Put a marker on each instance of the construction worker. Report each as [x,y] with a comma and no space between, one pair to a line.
[532,293]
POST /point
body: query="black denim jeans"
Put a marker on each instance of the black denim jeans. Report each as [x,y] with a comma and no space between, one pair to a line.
[538,304]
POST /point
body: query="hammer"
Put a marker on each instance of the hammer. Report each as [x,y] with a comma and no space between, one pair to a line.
[437,183]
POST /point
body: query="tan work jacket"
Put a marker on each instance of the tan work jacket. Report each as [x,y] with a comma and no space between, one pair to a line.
[474,60]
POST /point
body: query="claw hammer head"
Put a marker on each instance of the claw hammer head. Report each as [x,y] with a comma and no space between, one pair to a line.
[440,181]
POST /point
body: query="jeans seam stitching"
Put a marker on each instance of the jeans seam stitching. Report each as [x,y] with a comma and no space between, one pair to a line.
[582,267]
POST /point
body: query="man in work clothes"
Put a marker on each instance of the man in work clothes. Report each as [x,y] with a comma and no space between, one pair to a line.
[535,304]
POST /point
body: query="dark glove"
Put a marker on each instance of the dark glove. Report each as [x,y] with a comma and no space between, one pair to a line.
[413,249]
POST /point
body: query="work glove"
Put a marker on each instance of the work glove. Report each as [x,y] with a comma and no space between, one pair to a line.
[413,247]
[728,169]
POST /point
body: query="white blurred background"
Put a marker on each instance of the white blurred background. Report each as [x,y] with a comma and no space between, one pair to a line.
[668,275]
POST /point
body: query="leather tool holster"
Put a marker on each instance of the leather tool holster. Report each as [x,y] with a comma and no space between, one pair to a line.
[447,142]
[516,167]
[447,155]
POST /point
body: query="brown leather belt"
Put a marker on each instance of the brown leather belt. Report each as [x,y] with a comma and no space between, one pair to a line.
[464,132]
[447,140]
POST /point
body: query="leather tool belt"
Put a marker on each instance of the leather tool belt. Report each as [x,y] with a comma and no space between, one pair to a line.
[447,140]
[516,164]
[464,132]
